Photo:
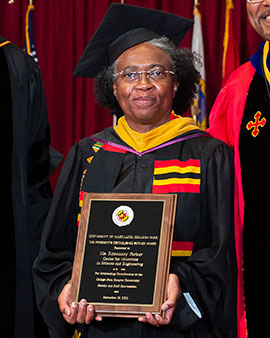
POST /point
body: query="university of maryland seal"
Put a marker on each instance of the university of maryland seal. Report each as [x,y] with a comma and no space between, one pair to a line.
[123,216]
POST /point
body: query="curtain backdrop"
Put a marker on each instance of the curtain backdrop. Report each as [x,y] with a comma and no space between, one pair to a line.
[62,29]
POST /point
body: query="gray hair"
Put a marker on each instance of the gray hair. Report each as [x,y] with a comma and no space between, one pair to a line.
[185,65]
[168,47]
[163,43]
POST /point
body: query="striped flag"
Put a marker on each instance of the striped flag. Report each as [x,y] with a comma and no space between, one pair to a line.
[29,44]
[199,106]
[231,58]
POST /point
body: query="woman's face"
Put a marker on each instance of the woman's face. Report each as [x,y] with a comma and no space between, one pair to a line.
[146,102]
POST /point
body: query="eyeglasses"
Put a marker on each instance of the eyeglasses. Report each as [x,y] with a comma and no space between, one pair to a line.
[154,75]
[254,1]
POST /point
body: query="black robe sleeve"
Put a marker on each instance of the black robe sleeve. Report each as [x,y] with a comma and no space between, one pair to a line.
[27,146]
[53,266]
[38,161]
[209,274]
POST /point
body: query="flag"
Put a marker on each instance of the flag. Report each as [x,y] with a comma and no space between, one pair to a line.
[29,44]
[199,106]
[231,58]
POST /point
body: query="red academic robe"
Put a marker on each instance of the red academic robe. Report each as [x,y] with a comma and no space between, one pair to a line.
[225,123]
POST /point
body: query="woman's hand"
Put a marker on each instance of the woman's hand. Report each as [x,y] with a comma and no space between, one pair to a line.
[173,294]
[75,313]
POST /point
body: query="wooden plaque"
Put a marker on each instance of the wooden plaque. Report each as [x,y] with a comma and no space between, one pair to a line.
[123,253]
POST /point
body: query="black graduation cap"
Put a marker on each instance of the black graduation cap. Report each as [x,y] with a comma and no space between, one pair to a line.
[123,27]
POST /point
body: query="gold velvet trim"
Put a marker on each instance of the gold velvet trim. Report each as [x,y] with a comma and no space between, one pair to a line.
[145,141]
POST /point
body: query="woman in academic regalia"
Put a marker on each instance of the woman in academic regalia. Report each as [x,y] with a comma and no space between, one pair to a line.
[147,82]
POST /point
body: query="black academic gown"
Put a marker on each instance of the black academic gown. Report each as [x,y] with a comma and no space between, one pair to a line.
[204,218]
[255,185]
[27,197]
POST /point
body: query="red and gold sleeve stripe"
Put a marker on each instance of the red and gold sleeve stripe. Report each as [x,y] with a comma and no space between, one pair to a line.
[180,185]
[182,249]
[177,176]
[182,167]
[80,205]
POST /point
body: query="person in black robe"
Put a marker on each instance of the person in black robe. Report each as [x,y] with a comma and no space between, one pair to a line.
[141,75]
[28,194]
[239,117]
